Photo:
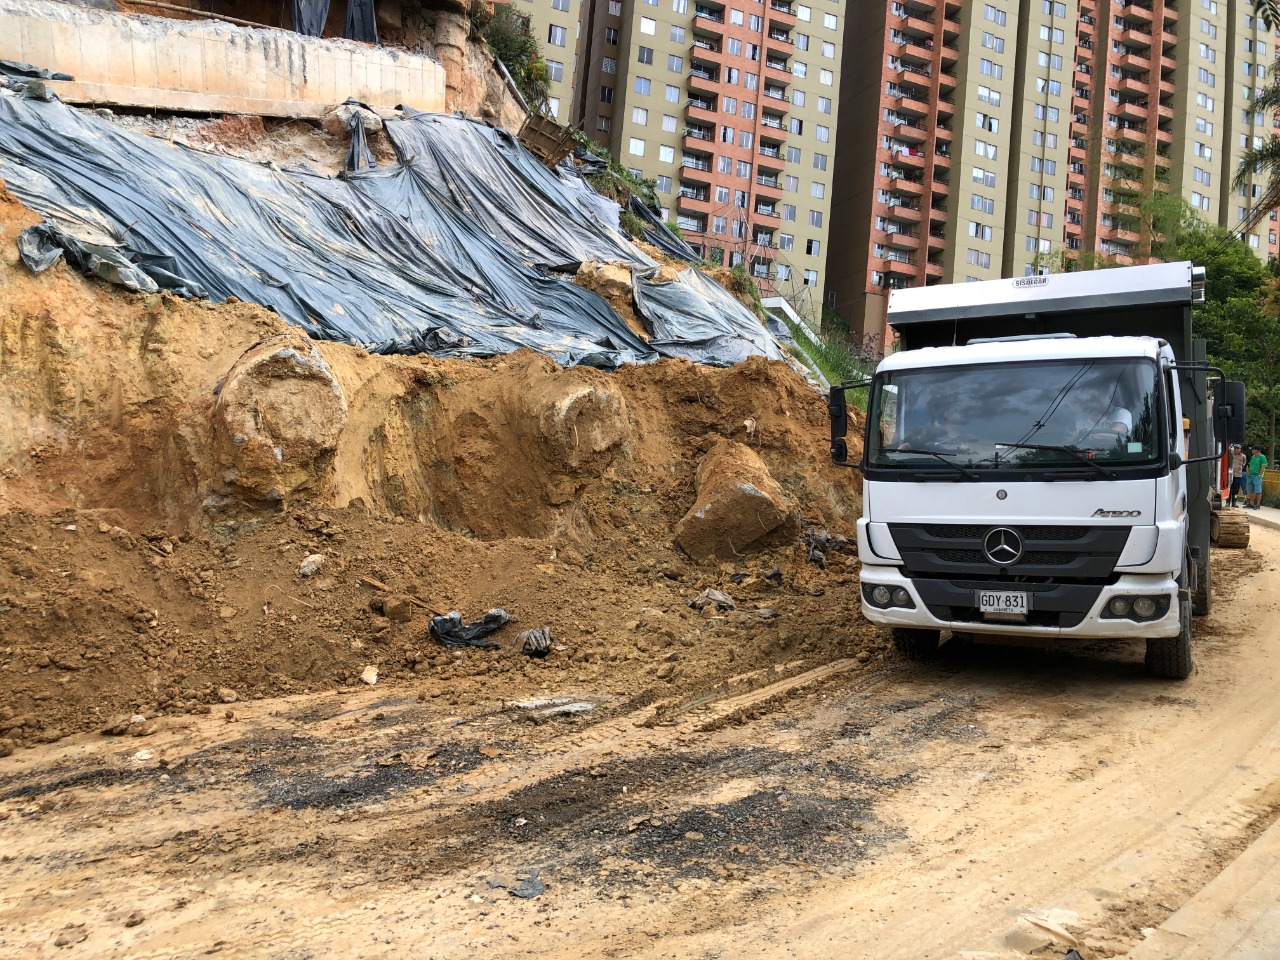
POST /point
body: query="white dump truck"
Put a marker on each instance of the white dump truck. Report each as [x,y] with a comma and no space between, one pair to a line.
[1039,461]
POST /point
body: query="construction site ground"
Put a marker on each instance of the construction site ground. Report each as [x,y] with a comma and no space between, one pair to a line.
[1002,802]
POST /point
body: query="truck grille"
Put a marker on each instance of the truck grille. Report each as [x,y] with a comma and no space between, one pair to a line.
[1075,553]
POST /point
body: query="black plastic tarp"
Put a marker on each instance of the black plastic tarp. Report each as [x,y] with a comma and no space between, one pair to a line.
[361,23]
[444,253]
[700,320]
[309,16]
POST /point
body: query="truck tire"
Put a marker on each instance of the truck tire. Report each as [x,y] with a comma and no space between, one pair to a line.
[1169,658]
[1202,597]
[916,644]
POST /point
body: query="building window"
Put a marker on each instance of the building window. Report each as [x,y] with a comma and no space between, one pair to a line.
[672,94]
[786,241]
[648,26]
[812,247]
[803,13]
[826,77]
[677,34]
[819,161]
[561,5]
[788,211]
[555,35]
[636,147]
[606,94]
[822,134]
[828,49]
[663,184]
[642,85]
[611,35]
[644,55]
[603,123]
[824,104]
[675,64]
[609,66]
[668,123]
[817,189]
[811,278]
[815,218]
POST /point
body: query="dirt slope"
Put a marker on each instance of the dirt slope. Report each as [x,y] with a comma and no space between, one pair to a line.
[166,466]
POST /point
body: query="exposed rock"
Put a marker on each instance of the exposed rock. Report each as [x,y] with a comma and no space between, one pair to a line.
[310,565]
[277,421]
[397,608]
[739,505]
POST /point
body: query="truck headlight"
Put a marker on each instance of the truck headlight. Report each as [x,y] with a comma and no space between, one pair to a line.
[901,597]
[1144,606]
[880,595]
[1119,606]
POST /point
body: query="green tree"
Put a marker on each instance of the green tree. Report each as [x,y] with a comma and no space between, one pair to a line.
[1243,334]
[1231,268]
[511,41]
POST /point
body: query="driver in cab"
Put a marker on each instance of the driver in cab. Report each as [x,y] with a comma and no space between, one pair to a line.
[1112,431]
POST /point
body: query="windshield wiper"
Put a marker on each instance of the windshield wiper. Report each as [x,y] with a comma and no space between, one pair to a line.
[1079,455]
[942,455]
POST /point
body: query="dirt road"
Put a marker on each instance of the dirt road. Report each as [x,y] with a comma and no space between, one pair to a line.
[1002,802]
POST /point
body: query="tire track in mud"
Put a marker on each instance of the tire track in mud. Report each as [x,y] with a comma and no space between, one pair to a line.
[438,795]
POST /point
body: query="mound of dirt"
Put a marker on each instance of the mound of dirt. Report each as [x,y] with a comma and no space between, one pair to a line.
[166,467]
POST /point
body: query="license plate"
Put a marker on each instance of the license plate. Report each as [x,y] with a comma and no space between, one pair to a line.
[1003,601]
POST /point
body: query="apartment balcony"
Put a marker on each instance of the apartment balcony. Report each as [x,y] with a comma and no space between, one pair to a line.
[949,56]
[940,188]
[708,22]
[1166,89]
[1164,111]
[1168,40]
[778,43]
[1135,62]
[1132,110]
[695,169]
[1133,85]
[768,188]
[1164,137]
[941,159]
[782,14]
[933,270]
[909,161]
[913,73]
[1170,13]
[697,141]
[909,132]
[900,263]
[701,108]
[703,81]
[900,211]
[769,210]
[916,23]
[902,239]
[775,124]
[920,51]
[710,55]
[946,82]
[770,160]
[777,69]
[946,106]
[1136,13]
[781,103]
[907,186]
[909,104]
[1136,38]
[1167,65]
[694,200]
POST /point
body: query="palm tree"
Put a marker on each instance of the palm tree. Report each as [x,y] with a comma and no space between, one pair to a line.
[1268,12]
[1261,161]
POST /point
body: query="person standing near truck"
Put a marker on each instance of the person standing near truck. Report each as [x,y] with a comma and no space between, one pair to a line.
[1253,478]
[1237,473]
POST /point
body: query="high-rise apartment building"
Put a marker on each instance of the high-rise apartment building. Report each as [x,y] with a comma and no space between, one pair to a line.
[1020,136]
[729,105]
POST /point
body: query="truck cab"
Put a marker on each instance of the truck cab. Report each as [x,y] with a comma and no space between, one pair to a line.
[1025,468]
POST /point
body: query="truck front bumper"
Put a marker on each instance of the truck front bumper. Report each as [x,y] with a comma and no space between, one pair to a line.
[946,605]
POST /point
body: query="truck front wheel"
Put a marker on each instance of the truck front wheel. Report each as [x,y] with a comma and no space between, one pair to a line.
[916,644]
[1170,657]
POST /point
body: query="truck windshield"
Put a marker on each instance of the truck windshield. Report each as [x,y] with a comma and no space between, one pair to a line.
[1021,415]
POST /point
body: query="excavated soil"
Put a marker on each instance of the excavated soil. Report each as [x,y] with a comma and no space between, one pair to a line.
[163,481]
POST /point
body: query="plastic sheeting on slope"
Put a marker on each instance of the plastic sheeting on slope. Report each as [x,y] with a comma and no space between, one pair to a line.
[381,257]
[700,320]
[488,175]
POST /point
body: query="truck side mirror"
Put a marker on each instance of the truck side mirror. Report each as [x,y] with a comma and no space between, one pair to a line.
[839,414]
[1228,412]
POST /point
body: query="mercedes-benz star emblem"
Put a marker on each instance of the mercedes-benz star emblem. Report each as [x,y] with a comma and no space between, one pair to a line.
[1002,546]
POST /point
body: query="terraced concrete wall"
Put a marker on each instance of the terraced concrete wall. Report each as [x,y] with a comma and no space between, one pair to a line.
[207,66]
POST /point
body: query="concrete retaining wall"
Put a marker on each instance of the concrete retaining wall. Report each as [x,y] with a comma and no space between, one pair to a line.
[209,67]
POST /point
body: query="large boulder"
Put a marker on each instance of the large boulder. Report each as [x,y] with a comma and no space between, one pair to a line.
[276,424]
[739,506]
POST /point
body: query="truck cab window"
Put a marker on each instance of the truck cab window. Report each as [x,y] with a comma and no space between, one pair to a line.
[1017,416]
